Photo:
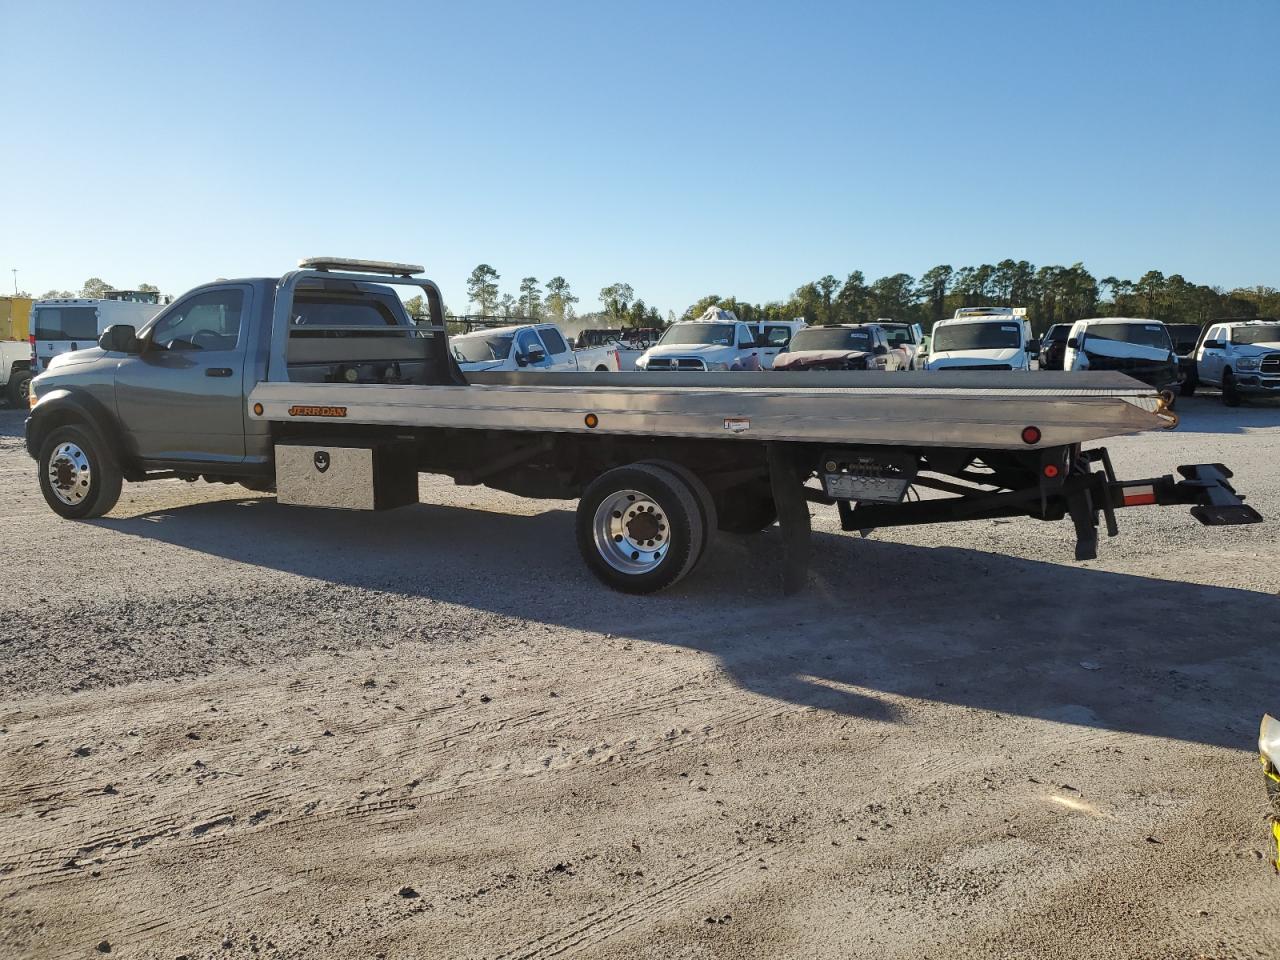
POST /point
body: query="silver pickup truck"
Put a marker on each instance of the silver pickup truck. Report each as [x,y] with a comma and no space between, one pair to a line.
[317,385]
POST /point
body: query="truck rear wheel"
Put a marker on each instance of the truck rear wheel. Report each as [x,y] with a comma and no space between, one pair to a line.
[639,528]
[710,521]
[78,476]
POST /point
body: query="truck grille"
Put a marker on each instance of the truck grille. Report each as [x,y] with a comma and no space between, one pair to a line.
[982,366]
[1271,363]
[676,363]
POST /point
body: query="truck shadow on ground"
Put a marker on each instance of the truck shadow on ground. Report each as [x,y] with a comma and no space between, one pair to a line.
[879,622]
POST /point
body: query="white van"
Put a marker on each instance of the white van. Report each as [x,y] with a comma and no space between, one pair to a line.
[982,338]
[74,323]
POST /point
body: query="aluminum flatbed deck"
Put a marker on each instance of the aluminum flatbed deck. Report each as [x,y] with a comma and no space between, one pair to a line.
[986,410]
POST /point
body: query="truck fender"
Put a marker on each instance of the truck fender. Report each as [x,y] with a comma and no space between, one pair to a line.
[64,406]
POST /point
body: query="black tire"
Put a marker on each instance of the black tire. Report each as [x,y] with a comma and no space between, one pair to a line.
[69,452]
[18,387]
[1230,393]
[746,510]
[673,504]
[602,369]
[710,521]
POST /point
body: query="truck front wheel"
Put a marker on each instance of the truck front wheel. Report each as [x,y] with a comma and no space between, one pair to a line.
[78,476]
[639,528]
[18,387]
[1230,392]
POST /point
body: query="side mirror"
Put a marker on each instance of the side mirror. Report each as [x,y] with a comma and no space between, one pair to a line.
[120,338]
[1074,343]
[1214,344]
[881,350]
[1033,347]
[535,355]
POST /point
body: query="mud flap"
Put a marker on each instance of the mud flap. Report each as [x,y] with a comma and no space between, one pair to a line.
[793,518]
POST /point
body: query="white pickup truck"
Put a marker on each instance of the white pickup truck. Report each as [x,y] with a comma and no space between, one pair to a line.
[718,340]
[983,338]
[1239,357]
[531,347]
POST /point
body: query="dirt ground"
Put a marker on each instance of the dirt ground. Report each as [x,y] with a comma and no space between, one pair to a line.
[234,729]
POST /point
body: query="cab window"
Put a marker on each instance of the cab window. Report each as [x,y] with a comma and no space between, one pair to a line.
[527,340]
[208,321]
[551,337]
[777,336]
[746,337]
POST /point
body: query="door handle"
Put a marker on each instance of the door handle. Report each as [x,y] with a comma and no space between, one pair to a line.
[217,371]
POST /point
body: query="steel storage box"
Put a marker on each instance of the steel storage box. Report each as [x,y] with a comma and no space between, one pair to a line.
[346,475]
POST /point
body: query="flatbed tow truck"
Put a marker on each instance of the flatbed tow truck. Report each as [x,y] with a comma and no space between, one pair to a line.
[317,385]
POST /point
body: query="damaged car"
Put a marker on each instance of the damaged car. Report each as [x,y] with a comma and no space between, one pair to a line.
[860,346]
[1140,348]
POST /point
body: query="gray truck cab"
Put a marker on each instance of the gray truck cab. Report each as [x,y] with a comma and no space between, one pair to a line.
[171,396]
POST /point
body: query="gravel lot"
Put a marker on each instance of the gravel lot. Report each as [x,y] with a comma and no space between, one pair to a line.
[235,729]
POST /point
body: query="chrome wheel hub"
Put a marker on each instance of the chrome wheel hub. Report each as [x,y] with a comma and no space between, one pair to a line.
[631,532]
[69,474]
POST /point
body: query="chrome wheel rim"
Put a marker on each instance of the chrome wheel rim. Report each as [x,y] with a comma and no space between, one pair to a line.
[632,533]
[69,474]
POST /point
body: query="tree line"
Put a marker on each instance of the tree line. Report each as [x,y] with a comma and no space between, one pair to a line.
[554,300]
[1051,294]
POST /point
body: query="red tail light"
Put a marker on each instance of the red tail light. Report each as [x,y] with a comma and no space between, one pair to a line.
[1030,434]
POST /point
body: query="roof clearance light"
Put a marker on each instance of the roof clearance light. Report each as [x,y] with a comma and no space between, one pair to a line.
[1031,435]
[361,266]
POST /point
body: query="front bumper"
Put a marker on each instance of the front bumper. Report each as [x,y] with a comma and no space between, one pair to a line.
[1258,383]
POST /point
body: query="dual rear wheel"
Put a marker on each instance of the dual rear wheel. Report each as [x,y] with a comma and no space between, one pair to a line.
[643,527]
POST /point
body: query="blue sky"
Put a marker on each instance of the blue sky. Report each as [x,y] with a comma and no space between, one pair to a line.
[685,148]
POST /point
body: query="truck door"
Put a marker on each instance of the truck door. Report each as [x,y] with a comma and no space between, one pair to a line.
[1212,359]
[558,352]
[772,342]
[527,340]
[183,397]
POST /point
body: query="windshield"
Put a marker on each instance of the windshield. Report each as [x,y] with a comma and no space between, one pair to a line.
[832,338]
[898,333]
[482,348]
[1057,333]
[976,336]
[720,334]
[1264,333]
[65,323]
[1143,334]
